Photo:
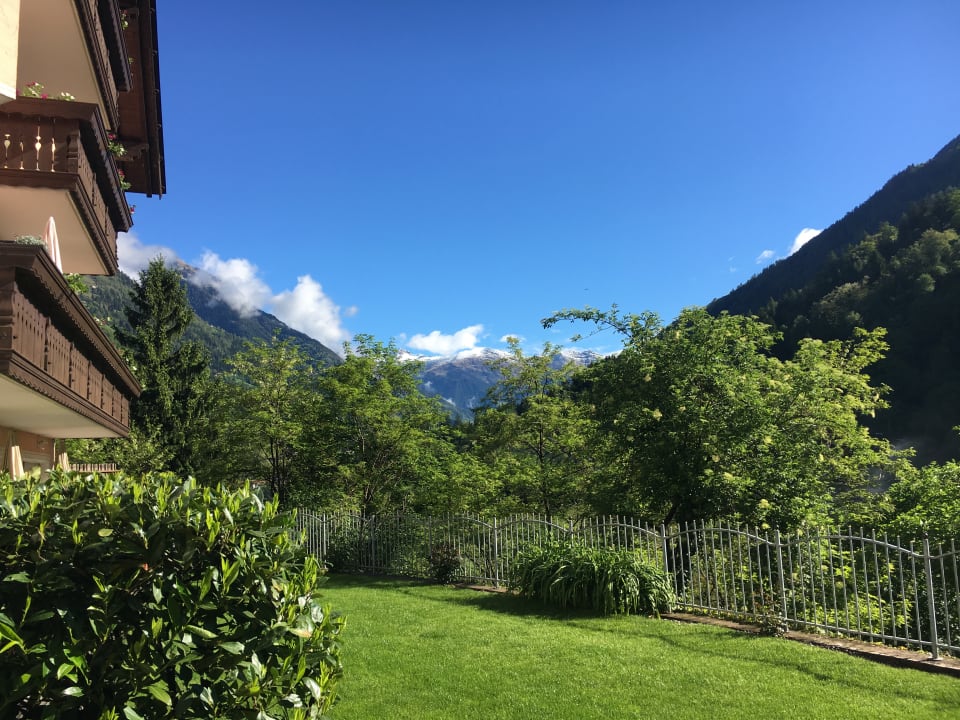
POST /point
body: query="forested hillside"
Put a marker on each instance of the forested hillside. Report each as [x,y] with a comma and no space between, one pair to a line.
[893,263]
[905,278]
[217,327]
[888,204]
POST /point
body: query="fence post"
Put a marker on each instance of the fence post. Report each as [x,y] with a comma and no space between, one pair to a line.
[666,557]
[931,604]
[373,545]
[496,554]
[780,578]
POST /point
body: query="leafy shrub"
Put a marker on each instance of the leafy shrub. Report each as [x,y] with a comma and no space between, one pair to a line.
[124,597]
[344,550]
[570,574]
[445,563]
[392,544]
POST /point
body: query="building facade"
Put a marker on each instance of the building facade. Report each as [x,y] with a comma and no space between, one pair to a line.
[80,128]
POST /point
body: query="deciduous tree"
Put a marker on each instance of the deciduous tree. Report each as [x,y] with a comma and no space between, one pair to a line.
[707,424]
[378,442]
[535,433]
[263,411]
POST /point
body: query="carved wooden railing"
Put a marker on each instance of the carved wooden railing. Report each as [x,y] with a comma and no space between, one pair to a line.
[63,145]
[100,468]
[49,342]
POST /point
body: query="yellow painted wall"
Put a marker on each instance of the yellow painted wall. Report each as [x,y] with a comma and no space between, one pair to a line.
[9,45]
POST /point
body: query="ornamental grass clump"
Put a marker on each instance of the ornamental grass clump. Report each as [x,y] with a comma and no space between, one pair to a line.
[569,574]
[153,597]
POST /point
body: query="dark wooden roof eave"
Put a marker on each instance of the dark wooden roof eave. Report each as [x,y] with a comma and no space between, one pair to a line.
[150,177]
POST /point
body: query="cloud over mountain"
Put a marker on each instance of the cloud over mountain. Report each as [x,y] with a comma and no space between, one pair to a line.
[439,344]
[238,283]
[802,238]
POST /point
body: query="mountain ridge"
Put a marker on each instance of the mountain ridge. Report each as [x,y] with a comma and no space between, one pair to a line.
[888,204]
[216,326]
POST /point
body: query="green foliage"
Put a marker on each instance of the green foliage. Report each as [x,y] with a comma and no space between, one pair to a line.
[262,412]
[445,563]
[344,550]
[569,574]
[143,450]
[174,403]
[704,422]
[535,433]
[926,500]
[156,598]
[376,441]
[905,278]
[75,282]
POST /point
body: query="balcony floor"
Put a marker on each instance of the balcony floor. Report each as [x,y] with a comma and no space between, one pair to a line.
[24,409]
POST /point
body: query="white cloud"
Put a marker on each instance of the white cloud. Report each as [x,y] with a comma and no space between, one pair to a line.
[134,256]
[440,344]
[519,338]
[765,256]
[306,308]
[802,238]
[236,282]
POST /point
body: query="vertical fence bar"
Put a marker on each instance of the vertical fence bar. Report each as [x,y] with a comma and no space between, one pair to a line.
[889,571]
[666,560]
[496,554]
[946,600]
[781,587]
[821,605]
[931,600]
[708,569]
[750,574]
[856,590]
[738,563]
[833,582]
[877,579]
[866,580]
[956,590]
[790,571]
[903,592]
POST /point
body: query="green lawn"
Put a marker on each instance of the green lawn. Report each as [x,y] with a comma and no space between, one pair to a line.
[423,651]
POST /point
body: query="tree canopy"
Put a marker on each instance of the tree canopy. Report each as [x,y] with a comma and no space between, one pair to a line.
[707,423]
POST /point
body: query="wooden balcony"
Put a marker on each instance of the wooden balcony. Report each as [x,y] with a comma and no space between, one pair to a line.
[55,162]
[75,46]
[60,376]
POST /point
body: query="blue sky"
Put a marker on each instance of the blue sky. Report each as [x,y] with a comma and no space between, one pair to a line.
[445,174]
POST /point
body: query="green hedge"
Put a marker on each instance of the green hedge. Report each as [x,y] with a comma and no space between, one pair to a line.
[153,597]
[569,574]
